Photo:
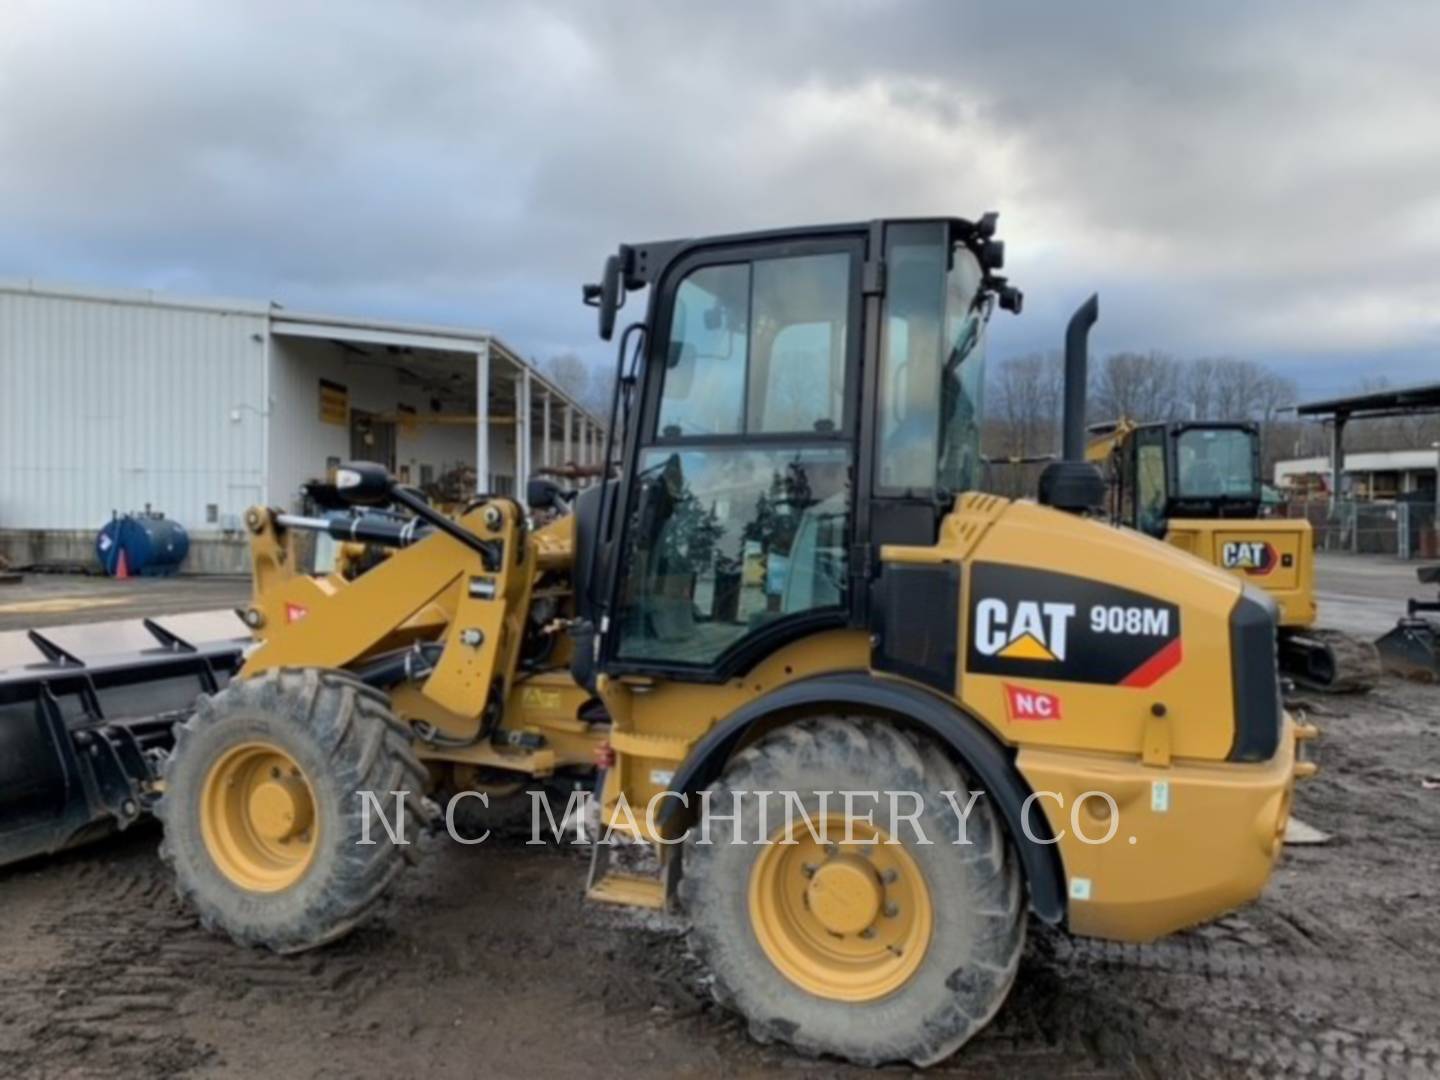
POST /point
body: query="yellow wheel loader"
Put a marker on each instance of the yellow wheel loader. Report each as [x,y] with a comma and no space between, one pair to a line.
[1197,485]
[867,720]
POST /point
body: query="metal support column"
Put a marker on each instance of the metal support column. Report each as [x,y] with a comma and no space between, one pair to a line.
[1337,459]
[568,456]
[545,455]
[522,432]
[482,420]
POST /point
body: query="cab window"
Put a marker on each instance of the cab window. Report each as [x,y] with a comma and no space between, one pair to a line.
[1150,482]
[931,364]
[758,349]
[727,537]
[709,346]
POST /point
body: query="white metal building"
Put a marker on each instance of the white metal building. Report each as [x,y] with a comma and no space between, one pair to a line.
[1376,474]
[118,400]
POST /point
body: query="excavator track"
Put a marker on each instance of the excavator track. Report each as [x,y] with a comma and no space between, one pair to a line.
[1329,661]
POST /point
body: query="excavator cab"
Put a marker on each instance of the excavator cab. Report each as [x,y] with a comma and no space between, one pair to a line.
[1182,469]
[1198,486]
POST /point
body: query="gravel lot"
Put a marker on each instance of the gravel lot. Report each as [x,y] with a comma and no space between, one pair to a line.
[484,960]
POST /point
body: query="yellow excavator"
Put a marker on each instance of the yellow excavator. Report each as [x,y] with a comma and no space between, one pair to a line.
[864,720]
[1197,485]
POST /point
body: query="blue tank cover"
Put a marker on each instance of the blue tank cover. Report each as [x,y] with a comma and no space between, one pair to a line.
[151,543]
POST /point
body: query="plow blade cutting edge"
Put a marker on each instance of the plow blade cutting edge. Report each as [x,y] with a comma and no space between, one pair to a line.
[86,716]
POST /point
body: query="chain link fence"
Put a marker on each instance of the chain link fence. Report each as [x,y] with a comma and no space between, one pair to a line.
[1403,528]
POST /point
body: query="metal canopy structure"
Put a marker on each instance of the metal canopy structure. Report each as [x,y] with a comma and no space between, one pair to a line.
[1371,405]
[472,366]
[1374,404]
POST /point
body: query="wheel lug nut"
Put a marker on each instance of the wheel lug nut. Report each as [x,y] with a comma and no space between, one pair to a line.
[868,933]
[808,869]
[891,911]
[890,877]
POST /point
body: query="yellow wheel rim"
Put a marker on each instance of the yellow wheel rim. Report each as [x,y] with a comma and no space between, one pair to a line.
[849,919]
[258,817]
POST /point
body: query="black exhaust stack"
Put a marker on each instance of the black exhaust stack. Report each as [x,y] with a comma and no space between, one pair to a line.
[1072,483]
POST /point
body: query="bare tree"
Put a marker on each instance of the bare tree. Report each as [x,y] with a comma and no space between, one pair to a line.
[1140,386]
[1025,402]
[1199,388]
[1238,386]
[1027,396]
[590,386]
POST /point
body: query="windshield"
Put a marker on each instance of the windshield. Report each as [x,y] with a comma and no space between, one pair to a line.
[931,365]
[1216,463]
[962,376]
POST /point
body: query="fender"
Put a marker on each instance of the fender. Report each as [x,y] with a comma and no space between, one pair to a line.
[983,754]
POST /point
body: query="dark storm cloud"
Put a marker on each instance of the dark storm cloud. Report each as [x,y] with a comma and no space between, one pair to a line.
[1258,179]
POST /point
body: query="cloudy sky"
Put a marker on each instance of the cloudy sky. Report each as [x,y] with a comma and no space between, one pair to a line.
[1251,179]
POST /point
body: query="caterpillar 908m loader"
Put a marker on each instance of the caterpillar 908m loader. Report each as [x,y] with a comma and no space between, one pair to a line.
[1197,485]
[789,610]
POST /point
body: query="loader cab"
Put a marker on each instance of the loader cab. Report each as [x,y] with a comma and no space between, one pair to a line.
[799,399]
[1161,471]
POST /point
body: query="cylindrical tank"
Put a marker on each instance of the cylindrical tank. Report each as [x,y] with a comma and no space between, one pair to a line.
[147,543]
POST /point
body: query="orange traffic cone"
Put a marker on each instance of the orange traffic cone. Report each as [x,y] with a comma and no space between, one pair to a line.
[122,570]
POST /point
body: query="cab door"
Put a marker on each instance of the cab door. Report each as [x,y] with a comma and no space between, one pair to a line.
[739,512]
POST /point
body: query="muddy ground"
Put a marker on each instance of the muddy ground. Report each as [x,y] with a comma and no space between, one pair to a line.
[485,962]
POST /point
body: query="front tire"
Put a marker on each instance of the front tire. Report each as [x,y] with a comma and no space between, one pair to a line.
[262,810]
[873,952]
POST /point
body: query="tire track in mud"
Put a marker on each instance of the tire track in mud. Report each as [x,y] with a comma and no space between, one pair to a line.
[127,963]
[1207,1007]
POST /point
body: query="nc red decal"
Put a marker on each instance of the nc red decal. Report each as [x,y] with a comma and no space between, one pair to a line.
[1027,704]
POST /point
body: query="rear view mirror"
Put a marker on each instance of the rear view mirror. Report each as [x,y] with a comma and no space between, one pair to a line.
[363,483]
[610,287]
[680,370]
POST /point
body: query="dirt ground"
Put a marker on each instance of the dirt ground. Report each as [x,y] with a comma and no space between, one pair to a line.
[41,600]
[484,961]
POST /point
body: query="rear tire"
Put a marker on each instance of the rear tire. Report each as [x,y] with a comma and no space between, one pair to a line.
[973,931]
[262,812]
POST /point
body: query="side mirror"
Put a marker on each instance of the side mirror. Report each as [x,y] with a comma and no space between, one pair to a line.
[610,287]
[680,370]
[363,483]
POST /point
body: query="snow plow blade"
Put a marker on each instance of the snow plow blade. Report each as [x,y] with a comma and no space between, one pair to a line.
[86,715]
[1412,649]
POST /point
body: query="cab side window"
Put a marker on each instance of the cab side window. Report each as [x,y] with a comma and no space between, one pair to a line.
[1150,482]
[709,346]
[758,349]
